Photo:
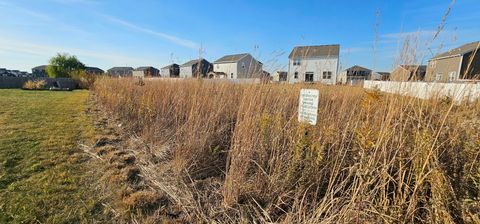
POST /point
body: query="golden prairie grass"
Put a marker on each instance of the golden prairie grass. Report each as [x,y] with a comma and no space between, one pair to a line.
[35,85]
[236,153]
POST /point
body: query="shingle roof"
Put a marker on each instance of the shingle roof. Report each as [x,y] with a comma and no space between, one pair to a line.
[357,67]
[41,67]
[192,62]
[315,51]
[419,68]
[143,68]
[464,49]
[231,58]
[169,66]
[120,68]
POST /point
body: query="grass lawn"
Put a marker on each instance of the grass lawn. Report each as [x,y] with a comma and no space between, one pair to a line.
[44,176]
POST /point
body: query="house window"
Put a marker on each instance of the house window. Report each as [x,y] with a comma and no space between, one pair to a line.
[295,75]
[438,77]
[243,64]
[452,76]
[231,76]
[309,77]
[296,62]
[327,75]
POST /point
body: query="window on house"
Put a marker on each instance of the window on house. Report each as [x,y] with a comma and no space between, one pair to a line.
[296,62]
[438,77]
[309,77]
[327,75]
[295,75]
[231,76]
[452,76]
[243,64]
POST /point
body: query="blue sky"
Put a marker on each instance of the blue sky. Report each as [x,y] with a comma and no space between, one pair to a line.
[107,33]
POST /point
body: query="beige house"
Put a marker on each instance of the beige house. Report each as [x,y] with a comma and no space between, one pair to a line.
[457,64]
[238,66]
[408,73]
[314,64]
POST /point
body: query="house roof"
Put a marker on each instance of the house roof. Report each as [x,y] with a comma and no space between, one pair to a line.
[94,69]
[464,49]
[143,68]
[41,67]
[120,68]
[315,51]
[192,62]
[169,66]
[420,68]
[231,58]
[357,68]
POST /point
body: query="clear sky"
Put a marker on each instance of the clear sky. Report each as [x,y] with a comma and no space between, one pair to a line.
[107,33]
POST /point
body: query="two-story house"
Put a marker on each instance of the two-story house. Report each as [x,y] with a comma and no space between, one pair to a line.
[198,68]
[462,63]
[172,71]
[120,71]
[238,66]
[146,71]
[314,64]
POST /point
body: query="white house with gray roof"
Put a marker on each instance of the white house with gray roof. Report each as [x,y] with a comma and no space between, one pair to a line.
[314,64]
[238,66]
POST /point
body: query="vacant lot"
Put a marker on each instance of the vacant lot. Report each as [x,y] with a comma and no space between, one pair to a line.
[44,177]
[237,154]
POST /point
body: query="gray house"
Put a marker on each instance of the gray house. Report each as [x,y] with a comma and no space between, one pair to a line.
[172,71]
[314,64]
[120,71]
[354,75]
[195,69]
[146,71]
[238,66]
[40,71]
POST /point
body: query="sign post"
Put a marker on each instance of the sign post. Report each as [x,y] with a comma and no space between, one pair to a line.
[308,106]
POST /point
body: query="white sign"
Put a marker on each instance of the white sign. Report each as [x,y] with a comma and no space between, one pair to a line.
[308,106]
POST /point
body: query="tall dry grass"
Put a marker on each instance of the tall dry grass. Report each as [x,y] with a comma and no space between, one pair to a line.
[236,153]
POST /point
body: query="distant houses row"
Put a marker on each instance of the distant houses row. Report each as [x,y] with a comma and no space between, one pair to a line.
[41,71]
[318,64]
[237,66]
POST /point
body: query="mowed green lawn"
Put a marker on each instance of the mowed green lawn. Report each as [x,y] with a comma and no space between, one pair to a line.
[44,176]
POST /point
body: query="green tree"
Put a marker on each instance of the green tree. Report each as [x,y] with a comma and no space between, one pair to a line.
[64,66]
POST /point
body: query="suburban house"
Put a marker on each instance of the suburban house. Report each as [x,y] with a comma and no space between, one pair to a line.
[120,71]
[195,69]
[380,76]
[354,75]
[239,66]
[146,71]
[314,64]
[172,71]
[280,76]
[94,71]
[408,73]
[40,71]
[462,63]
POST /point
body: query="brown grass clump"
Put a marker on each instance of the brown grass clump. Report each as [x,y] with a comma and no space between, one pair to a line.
[35,85]
[236,153]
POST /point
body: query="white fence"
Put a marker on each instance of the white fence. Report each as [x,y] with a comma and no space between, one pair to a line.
[425,90]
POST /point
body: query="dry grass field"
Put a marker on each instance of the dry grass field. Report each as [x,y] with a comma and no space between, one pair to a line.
[219,152]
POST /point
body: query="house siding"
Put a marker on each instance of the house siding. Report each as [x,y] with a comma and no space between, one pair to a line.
[317,66]
[248,68]
[443,67]
[230,69]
